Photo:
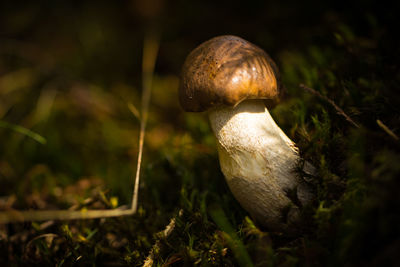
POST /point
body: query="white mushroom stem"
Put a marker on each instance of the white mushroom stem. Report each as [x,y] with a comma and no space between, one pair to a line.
[258,161]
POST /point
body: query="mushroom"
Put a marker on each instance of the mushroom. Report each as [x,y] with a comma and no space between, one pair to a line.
[231,78]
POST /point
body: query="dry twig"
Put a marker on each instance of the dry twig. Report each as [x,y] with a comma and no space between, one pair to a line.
[387,130]
[330,101]
[150,51]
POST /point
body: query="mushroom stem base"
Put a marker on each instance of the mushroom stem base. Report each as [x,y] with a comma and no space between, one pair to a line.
[258,161]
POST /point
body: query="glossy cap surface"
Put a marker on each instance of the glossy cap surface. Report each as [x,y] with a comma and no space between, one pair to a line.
[226,70]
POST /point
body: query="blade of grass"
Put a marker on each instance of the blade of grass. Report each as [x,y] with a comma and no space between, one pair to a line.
[22,130]
[235,244]
[134,110]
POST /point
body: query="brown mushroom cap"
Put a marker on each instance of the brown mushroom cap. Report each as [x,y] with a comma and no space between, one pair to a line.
[226,70]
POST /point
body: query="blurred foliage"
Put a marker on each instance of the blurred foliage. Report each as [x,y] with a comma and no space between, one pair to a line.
[70,71]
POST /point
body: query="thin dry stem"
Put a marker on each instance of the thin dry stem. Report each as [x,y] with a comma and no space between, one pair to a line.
[150,51]
[45,215]
[387,130]
[330,101]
